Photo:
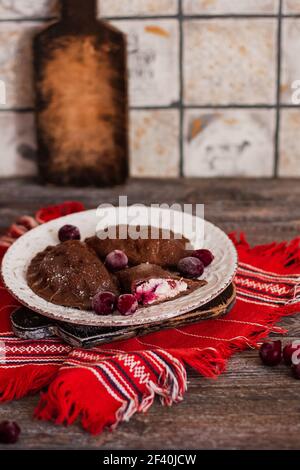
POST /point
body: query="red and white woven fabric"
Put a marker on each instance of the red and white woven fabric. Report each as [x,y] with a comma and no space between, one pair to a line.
[106,385]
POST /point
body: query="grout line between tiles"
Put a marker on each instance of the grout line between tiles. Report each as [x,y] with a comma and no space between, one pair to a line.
[28,20]
[181,89]
[17,110]
[184,107]
[278,97]
[179,16]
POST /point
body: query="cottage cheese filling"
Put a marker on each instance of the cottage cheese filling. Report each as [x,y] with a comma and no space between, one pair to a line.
[158,290]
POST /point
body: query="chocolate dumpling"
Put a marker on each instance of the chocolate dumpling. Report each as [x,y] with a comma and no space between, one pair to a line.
[160,251]
[151,284]
[69,274]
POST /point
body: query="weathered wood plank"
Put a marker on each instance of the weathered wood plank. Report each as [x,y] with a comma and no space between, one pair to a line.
[265,209]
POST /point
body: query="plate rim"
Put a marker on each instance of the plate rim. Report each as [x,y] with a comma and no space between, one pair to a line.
[104,321]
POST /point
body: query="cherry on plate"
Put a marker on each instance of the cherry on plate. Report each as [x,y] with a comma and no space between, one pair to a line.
[116,260]
[68,232]
[104,303]
[190,267]
[204,255]
[9,432]
[271,353]
[127,304]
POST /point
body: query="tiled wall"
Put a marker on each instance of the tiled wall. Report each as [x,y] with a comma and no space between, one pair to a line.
[210,85]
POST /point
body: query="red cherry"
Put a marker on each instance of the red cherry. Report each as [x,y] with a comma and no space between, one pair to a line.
[127,304]
[68,232]
[9,432]
[116,260]
[190,267]
[288,352]
[205,256]
[270,353]
[104,303]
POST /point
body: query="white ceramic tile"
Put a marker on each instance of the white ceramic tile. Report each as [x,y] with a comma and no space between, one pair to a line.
[289,162]
[219,7]
[17,144]
[290,57]
[291,6]
[229,142]
[16,62]
[154,143]
[11,9]
[137,7]
[230,61]
[153,61]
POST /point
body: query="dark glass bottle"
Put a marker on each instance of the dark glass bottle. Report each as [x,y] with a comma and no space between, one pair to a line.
[81,99]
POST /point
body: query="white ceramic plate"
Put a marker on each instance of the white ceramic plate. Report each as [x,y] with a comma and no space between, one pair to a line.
[218,275]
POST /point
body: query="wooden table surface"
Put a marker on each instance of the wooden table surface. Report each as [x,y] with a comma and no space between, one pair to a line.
[249,406]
